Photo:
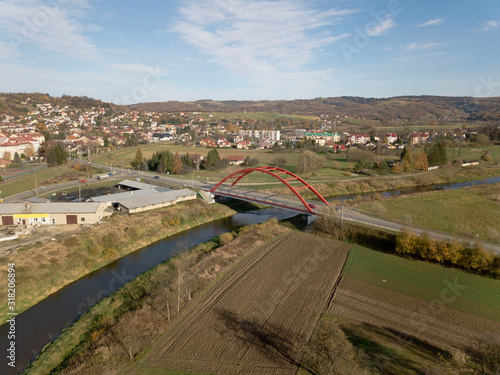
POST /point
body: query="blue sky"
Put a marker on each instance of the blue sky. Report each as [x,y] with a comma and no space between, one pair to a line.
[129,51]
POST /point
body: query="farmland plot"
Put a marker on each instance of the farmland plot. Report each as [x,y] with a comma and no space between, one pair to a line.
[411,317]
[258,317]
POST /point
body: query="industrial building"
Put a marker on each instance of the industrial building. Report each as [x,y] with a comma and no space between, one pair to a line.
[52,213]
[139,203]
[140,196]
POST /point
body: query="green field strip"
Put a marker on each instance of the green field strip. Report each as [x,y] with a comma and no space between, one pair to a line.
[457,289]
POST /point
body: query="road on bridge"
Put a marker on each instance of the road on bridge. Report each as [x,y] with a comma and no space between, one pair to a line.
[255,196]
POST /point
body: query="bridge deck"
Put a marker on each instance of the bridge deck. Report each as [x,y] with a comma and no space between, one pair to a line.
[264,198]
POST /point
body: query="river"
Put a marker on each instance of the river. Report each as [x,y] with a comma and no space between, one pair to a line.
[419,189]
[43,322]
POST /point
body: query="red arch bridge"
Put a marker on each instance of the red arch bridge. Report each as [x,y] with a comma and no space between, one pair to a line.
[296,202]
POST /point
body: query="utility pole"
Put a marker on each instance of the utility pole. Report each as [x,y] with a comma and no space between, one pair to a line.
[342,211]
[79,192]
[88,177]
[36,186]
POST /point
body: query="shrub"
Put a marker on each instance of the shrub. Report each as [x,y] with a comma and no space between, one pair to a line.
[406,242]
[486,157]
[251,161]
[225,238]
[356,154]
[279,161]
[378,209]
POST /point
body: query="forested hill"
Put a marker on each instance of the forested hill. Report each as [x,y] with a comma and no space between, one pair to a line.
[406,107]
[23,103]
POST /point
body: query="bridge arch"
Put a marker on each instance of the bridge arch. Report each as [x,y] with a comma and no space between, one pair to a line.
[276,173]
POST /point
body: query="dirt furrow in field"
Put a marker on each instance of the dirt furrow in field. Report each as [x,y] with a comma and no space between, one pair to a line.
[257,319]
[431,322]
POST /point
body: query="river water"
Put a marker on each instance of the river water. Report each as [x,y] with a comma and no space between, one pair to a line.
[43,322]
[419,189]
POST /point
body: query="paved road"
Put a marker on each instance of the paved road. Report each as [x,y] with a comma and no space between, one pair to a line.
[356,216]
[279,201]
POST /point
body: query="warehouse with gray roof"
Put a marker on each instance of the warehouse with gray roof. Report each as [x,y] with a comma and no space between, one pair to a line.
[52,213]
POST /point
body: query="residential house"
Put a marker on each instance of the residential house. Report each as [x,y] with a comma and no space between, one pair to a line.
[418,138]
[391,137]
[236,159]
[327,137]
[244,144]
[359,139]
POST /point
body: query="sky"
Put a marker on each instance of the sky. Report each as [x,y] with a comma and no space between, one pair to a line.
[129,51]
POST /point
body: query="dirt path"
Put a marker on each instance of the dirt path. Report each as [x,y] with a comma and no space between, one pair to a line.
[259,316]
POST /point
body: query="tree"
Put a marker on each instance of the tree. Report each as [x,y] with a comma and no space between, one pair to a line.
[330,352]
[177,166]
[398,168]
[137,160]
[7,155]
[407,159]
[436,154]
[309,161]
[61,156]
[186,160]
[279,161]
[406,242]
[212,158]
[41,127]
[421,162]
[17,158]
[29,151]
[196,161]
[168,162]
[53,152]
[251,161]
[482,139]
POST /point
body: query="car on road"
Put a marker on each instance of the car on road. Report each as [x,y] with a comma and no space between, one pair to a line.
[156,177]
[82,181]
[312,206]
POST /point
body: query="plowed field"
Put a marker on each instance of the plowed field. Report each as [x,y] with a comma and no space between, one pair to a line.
[431,322]
[259,316]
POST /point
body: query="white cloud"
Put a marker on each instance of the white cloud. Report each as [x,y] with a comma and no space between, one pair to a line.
[421,46]
[137,69]
[438,21]
[54,27]
[384,26]
[267,43]
[6,50]
[490,25]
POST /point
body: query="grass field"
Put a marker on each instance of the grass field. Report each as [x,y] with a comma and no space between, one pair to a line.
[467,212]
[477,295]
[235,116]
[48,176]
[123,157]
[475,153]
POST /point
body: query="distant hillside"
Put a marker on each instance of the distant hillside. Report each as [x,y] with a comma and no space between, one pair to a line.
[22,103]
[409,108]
[406,107]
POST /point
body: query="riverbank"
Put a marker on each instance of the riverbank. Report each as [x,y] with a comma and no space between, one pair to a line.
[118,331]
[44,268]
